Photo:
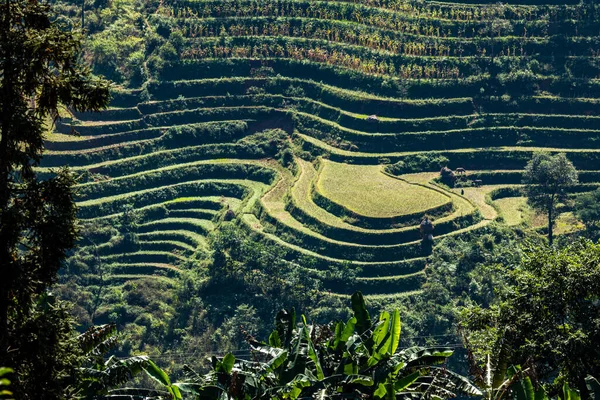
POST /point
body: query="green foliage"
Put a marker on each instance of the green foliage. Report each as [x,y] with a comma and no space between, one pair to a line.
[547,177]
[461,270]
[40,72]
[415,86]
[103,378]
[418,163]
[5,392]
[339,360]
[547,319]
[587,207]
[117,44]
[47,360]
[257,275]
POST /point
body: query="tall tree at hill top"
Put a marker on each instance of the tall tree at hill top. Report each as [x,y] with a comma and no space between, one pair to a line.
[546,178]
[39,71]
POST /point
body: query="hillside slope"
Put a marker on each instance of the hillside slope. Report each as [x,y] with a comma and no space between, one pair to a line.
[316,126]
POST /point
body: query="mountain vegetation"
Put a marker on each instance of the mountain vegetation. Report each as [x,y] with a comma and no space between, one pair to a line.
[181,171]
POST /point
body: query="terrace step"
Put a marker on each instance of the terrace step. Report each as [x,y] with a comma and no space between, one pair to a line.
[302,207]
[160,269]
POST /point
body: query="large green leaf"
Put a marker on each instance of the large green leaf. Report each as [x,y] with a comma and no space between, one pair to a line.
[157,373]
[424,355]
[541,394]
[570,394]
[524,389]
[350,369]
[395,327]
[460,384]
[227,363]
[293,389]
[97,340]
[349,329]
[278,360]
[379,338]
[381,331]
[206,392]
[357,379]
[274,339]
[337,336]
[189,387]
[404,382]
[298,364]
[175,392]
[363,319]
[380,392]
[312,354]
[501,368]
[384,338]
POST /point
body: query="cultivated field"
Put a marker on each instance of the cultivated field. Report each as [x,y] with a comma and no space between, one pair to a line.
[366,191]
[320,126]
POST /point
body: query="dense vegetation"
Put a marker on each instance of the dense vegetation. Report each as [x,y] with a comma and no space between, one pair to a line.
[197,143]
[260,155]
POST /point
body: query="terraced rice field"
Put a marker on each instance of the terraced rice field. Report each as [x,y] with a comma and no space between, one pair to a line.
[481,87]
[367,192]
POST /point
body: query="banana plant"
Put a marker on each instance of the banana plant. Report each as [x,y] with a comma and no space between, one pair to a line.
[352,360]
[102,378]
[518,384]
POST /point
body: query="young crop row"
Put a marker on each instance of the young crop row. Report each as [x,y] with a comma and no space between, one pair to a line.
[490,113]
[268,147]
[174,175]
[348,100]
[491,136]
[482,10]
[324,246]
[340,103]
[202,188]
[229,131]
[99,140]
[480,86]
[322,52]
[454,11]
[112,114]
[382,62]
[378,17]
[383,39]
[503,158]
[206,210]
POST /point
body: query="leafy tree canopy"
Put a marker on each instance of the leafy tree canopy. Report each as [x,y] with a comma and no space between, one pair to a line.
[548,319]
[587,208]
[40,72]
[547,177]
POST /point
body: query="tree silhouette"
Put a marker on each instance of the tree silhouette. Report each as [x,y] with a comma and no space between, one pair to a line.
[39,72]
